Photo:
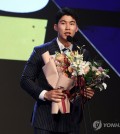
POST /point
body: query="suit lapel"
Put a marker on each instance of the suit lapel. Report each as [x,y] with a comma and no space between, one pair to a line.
[54,47]
[75,47]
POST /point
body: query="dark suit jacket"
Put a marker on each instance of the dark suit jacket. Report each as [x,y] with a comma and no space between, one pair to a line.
[42,117]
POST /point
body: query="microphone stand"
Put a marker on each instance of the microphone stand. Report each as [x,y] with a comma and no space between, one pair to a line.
[81,89]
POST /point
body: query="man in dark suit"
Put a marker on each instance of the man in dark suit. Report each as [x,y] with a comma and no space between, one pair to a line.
[42,120]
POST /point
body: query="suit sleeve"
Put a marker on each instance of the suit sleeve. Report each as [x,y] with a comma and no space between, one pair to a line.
[29,75]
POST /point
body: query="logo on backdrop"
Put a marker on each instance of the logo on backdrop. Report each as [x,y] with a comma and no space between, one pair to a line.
[98,124]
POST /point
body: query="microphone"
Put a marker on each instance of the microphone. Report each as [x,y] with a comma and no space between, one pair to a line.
[70,39]
[73,41]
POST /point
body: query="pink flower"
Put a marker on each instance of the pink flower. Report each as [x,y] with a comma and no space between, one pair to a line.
[100,69]
[60,57]
[86,69]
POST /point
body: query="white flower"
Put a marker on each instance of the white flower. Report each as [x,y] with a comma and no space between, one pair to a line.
[81,72]
[104,85]
[74,65]
[95,63]
[101,88]
[74,73]
[105,75]
[94,68]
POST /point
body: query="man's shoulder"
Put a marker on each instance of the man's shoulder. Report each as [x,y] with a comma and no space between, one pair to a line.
[46,45]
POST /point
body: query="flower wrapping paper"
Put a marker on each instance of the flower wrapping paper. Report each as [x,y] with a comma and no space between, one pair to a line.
[57,79]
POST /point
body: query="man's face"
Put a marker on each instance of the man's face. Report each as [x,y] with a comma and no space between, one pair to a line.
[66,27]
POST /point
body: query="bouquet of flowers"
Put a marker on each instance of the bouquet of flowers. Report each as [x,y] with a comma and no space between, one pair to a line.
[84,73]
[68,69]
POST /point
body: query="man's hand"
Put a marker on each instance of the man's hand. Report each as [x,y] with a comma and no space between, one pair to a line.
[54,95]
[88,92]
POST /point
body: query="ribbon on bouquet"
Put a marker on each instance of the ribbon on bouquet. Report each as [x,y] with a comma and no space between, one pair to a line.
[63,100]
[57,79]
[63,105]
[80,87]
[81,84]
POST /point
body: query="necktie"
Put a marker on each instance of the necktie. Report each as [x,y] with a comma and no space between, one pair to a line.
[64,49]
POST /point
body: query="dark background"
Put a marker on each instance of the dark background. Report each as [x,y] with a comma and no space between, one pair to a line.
[17,105]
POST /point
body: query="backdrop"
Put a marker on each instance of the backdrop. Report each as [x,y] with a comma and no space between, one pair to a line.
[23,28]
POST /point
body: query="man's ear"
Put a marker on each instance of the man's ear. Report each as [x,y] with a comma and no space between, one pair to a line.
[77,29]
[55,27]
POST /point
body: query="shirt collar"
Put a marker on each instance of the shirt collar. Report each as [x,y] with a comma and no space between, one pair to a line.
[61,46]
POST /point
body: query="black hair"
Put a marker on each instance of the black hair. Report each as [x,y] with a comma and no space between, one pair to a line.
[66,11]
